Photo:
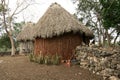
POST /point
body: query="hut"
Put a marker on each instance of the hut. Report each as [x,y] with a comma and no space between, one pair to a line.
[59,32]
[25,39]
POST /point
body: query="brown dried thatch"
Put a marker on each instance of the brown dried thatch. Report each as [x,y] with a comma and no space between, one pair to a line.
[57,21]
[27,33]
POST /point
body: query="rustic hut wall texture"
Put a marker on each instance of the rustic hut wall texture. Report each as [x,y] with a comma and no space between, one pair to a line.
[25,38]
[57,31]
[63,45]
[26,47]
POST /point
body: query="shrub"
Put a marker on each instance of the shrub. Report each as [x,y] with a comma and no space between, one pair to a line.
[31,57]
[55,59]
[40,59]
[35,59]
[47,59]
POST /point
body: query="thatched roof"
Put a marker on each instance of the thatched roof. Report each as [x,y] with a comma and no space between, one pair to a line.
[27,33]
[57,21]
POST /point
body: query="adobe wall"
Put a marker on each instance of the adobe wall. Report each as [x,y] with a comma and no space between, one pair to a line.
[63,45]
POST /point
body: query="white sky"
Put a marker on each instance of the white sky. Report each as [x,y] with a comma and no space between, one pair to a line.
[34,12]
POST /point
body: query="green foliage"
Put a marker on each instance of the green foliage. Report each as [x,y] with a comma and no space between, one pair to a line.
[88,9]
[55,59]
[1,7]
[47,59]
[118,43]
[17,28]
[111,13]
[40,59]
[4,39]
[101,16]
[4,43]
[31,57]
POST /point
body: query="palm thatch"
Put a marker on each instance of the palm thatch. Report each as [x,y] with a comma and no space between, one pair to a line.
[57,21]
[27,33]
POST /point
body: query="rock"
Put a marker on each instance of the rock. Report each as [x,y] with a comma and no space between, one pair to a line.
[113,66]
[116,73]
[118,66]
[1,61]
[98,69]
[107,72]
[113,78]
[100,61]
[85,55]
[84,64]
[105,54]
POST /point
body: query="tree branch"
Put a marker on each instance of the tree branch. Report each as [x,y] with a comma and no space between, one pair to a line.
[22,9]
[113,31]
[4,17]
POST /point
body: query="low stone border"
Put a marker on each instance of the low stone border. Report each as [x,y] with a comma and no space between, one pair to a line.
[100,61]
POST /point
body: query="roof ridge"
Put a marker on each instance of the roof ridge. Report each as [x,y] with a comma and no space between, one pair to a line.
[55,3]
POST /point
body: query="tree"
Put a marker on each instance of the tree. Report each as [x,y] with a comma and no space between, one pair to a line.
[90,12]
[111,15]
[8,18]
[17,28]
[4,39]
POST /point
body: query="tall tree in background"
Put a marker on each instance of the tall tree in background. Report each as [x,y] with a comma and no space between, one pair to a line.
[111,15]
[4,39]
[90,12]
[7,18]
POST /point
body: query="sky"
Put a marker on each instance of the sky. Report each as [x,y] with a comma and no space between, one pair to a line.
[34,12]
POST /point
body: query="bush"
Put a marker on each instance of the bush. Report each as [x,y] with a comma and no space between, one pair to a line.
[47,59]
[31,57]
[55,59]
[35,58]
[40,59]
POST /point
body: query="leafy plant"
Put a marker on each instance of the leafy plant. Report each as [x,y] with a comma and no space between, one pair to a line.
[31,57]
[4,42]
[40,59]
[35,58]
[47,59]
[55,59]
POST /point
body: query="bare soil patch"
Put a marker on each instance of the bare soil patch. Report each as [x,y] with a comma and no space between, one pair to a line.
[20,68]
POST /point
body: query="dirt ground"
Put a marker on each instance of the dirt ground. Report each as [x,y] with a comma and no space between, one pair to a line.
[20,68]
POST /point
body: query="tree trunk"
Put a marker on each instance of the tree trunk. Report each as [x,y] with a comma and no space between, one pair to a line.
[9,33]
[12,45]
[116,38]
[99,37]
[104,40]
[108,38]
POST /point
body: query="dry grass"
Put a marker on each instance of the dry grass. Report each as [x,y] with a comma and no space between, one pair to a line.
[57,21]
[26,33]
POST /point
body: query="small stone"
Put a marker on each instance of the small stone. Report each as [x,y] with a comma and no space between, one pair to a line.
[107,72]
[113,78]
[76,74]
[1,61]
[118,66]
[79,73]
[98,73]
